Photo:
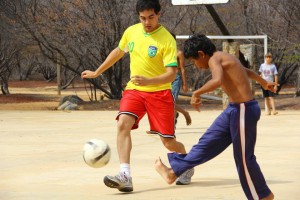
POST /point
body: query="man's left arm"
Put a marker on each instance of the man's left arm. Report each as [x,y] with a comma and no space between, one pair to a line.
[265,84]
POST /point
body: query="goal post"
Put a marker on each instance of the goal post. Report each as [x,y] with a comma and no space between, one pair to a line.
[238,37]
[209,2]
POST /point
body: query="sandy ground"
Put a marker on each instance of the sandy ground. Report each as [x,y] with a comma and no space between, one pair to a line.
[41,150]
[41,158]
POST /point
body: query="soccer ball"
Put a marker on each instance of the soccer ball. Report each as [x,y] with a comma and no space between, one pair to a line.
[96,153]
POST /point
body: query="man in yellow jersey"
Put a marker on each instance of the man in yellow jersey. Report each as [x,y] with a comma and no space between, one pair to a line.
[153,66]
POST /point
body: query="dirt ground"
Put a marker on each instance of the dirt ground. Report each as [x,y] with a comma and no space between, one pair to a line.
[41,150]
[39,95]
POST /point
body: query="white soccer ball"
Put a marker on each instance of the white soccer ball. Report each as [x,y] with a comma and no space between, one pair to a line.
[96,153]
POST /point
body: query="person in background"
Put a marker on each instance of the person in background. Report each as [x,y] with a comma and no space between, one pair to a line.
[179,81]
[268,71]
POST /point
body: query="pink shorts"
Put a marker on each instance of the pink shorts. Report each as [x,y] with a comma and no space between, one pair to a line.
[159,107]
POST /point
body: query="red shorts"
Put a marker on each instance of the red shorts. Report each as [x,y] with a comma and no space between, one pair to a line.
[159,107]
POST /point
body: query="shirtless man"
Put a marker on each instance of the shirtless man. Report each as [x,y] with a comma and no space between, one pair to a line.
[236,125]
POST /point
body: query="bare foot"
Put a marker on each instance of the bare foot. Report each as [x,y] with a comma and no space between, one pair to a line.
[167,173]
[188,119]
[269,197]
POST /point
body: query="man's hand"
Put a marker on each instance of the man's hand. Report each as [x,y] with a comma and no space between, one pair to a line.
[270,86]
[139,80]
[88,74]
[184,88]
[196,102]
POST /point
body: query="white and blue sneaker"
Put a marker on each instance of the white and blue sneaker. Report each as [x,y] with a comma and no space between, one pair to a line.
[185,178]
[122,182]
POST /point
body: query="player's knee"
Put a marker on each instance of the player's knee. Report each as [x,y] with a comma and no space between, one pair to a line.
[125,122]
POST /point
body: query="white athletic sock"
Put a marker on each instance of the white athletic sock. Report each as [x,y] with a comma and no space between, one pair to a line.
[125,167]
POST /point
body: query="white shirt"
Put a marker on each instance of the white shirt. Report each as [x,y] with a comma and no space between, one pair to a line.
[268,71]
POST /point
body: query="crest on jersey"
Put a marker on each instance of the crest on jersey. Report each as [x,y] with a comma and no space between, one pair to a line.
[152,50]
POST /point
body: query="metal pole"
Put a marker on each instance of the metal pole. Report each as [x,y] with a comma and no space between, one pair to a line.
[265,45]
[222,37]
[58,76]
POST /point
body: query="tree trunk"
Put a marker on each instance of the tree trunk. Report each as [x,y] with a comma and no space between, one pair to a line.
[298,83]
[4,86]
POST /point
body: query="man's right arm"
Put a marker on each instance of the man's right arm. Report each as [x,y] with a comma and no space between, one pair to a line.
[111,59]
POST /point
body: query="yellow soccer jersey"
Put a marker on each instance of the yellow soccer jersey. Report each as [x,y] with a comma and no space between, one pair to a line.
[150,54]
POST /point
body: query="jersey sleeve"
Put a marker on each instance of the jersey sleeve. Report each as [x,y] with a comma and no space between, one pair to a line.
[170,54]
[123,44]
